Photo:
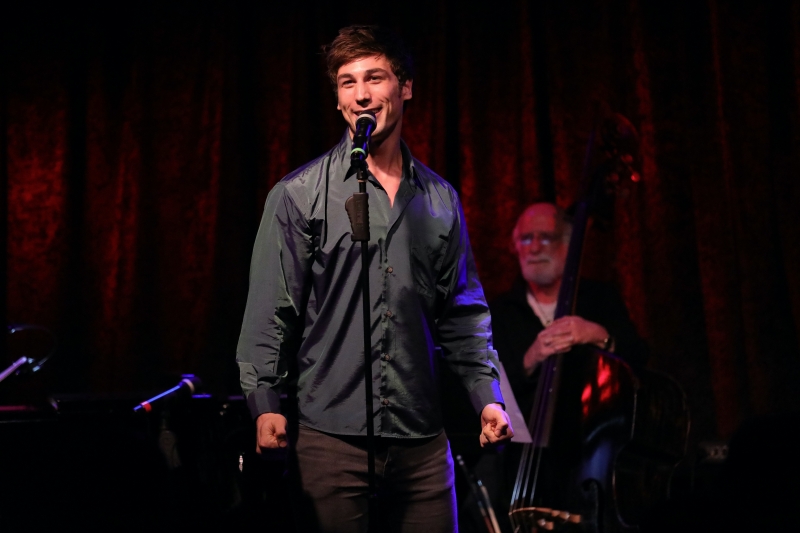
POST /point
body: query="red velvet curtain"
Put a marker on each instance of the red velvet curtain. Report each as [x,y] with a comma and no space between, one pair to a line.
[141,141]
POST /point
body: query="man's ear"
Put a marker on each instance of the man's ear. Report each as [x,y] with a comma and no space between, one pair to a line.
[406,89]
[512,242]
[512,246]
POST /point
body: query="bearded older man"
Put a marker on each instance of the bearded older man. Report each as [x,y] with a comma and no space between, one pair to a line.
[524,330]
[525,334]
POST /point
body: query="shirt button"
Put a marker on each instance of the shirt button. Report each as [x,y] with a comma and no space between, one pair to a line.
[385,401]
[386,357]
[388,314]
[389,270]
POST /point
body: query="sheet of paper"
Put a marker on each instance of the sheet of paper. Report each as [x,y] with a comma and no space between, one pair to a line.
[518,421]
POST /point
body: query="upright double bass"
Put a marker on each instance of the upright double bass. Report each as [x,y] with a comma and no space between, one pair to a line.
[605,439]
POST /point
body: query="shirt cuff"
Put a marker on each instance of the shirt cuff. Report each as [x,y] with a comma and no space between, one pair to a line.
[262,401]
[486,393]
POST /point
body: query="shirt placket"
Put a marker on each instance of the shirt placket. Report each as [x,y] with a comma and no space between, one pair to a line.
[386,351]
[384,345]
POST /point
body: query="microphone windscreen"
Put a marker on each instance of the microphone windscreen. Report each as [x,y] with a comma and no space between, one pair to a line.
[367,116]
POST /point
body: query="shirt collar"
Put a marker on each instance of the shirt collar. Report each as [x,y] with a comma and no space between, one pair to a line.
[342,151]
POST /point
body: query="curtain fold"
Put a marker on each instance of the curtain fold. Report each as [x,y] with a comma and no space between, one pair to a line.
[141,149]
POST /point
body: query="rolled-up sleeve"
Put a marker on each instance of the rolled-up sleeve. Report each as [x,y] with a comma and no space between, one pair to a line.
[464,322]
[272,323]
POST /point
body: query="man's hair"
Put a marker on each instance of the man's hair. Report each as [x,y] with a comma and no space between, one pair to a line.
[563,221]
[357,42]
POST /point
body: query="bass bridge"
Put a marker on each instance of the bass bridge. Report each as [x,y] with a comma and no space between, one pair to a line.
[536,519]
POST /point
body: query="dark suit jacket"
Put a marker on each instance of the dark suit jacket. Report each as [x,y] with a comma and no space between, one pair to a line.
[515,327]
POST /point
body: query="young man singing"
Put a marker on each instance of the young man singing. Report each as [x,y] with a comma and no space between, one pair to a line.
[304,310]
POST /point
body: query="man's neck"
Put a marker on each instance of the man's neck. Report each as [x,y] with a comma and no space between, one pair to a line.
[386,159]
[545,294]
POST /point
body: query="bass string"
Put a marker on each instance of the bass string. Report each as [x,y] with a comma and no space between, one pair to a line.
[515,501]
[531,453]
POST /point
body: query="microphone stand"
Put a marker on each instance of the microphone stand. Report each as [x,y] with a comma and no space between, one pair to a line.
[358,210]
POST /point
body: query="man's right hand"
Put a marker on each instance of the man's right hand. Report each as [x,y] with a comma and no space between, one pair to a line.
[543,347]
[560,337]
[270,432]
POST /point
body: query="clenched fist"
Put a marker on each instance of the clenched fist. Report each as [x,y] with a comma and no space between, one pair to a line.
[270,432]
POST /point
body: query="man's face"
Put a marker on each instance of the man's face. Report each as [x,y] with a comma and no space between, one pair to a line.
[368,84]
[540,246]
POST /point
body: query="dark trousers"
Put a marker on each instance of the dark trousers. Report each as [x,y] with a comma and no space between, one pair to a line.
[414,478]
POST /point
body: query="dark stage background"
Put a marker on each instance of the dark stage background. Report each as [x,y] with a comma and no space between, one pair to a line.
[140,142]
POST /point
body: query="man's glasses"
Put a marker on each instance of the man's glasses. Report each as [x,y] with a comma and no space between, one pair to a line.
[545,238]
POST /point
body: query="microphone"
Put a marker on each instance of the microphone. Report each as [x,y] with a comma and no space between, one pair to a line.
[188,385]
[365,125]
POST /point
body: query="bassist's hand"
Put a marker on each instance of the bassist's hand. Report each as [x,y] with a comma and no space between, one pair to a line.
[545,345]
[560,337]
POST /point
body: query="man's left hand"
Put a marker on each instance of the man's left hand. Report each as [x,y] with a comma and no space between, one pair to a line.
[574,330]
[496,425]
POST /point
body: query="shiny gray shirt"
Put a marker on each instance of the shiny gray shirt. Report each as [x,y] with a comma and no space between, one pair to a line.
[304,302]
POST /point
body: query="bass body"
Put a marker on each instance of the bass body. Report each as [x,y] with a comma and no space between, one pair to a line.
[605,439]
